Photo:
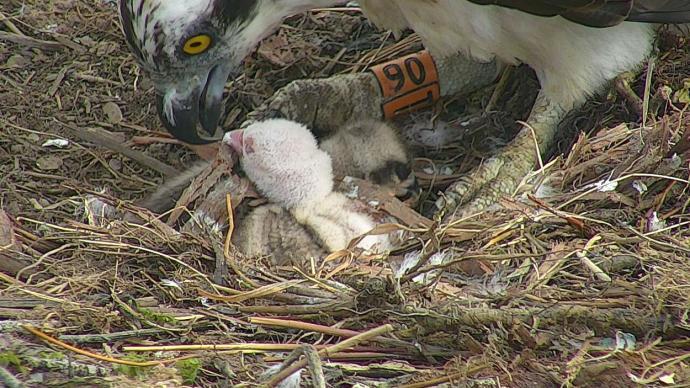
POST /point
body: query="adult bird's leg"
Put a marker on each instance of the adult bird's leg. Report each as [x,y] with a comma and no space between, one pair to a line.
[323,104]
[326,104]
[501,174]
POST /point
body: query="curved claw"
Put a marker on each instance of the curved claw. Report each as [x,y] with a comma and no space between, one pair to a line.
[466,188]
[501,175]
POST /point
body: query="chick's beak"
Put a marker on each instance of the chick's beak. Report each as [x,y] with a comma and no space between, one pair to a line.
[190,108]
[235,139]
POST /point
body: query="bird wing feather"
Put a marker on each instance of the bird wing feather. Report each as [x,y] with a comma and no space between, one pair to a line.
[603,13]
[661,11]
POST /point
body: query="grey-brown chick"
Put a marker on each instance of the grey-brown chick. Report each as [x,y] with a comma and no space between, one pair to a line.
[373,150]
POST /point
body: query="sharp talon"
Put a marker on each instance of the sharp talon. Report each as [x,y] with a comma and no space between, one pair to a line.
[411,193]
[500,175]
[446,201]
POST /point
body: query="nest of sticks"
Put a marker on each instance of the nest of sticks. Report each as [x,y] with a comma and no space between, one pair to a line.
[581,279]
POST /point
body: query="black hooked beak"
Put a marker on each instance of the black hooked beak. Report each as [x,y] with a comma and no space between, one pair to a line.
[191,108]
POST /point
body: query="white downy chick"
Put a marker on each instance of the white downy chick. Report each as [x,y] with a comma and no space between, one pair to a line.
[286,165]
[284,161]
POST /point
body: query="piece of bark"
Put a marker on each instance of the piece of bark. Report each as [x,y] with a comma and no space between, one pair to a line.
[12,259]
[371,193]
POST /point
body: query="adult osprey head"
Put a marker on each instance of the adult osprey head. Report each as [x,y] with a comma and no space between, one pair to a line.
[190,47]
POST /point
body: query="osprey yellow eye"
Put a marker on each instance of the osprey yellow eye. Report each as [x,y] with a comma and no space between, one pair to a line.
[197,44]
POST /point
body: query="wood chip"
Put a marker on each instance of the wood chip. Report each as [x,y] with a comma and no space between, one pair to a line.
[113,112]
[7,237]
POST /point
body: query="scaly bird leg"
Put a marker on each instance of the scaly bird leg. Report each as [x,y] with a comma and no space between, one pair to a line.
[327,104]
[501,174]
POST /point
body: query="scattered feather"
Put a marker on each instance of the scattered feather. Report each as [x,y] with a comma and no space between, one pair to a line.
[640,186]
[292,381]
[654,223]
[171,283]
[57,143]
